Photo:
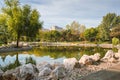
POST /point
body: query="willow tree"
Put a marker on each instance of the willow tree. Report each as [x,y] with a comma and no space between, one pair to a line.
[21,20]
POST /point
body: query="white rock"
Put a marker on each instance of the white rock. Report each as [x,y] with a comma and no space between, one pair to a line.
[109,54]
[69,63]
[10,75]
[43,65]
[95,57]
[1,72]
[27,71]
[45,72]
[117,55]
[112,60]
[86,60]
[58,73]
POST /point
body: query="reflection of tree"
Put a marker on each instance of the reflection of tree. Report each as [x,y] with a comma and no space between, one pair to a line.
[17,62]
[13,65]
[30,60]
[3,58]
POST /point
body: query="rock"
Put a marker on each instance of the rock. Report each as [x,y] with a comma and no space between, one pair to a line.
[109,54]
[27,72]
[117,55]
[45,72]
[8,75]
[77,65]
[58,73]
[43,65]
[118,46]
[95,57]
[70,63]
[1,72]
[55,64]
[86,60]
[112,60]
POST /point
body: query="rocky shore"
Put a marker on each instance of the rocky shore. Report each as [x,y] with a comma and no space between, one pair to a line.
[71,69]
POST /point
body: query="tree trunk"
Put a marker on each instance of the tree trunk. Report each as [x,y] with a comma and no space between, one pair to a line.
[18,39]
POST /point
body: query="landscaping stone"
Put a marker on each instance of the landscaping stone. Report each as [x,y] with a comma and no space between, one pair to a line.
[43,65]
[1,72]
[9,75]
[95,57]
[109,54]
[27,72]
[117,55]
[58,73]
[70,63]
[112,60]
[45,72]
[86,60]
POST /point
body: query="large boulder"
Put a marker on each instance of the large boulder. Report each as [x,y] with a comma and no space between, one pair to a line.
[27,72]
[117,55]
[86,60]
[58,73]
[109,54]
[95,57]
[45,72]
[1,72]
[9,75]
[43,65]
[70,63]
[112,60]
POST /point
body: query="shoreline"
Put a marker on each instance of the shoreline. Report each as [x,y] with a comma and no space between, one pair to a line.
[15,49]
[71,44]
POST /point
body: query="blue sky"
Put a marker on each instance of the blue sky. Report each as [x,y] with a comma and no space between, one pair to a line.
[62,12]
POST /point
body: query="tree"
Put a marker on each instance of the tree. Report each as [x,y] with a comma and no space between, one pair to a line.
[21,20]
[108,22]
[4,34]
[90,34]
[76,28]
[115,32]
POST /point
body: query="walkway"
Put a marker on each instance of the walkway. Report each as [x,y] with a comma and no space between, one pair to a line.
[112,73]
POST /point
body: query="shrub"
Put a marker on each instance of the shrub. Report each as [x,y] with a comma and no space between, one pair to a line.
[115,41]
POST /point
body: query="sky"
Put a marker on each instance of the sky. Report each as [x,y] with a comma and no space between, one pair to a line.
[63,12]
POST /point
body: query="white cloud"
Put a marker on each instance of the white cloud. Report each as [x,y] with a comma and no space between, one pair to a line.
[62,12]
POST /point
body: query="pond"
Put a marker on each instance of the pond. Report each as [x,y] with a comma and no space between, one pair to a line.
[51,55]
[48,54]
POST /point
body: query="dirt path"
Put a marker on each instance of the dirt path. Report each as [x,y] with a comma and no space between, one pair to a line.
[112,73]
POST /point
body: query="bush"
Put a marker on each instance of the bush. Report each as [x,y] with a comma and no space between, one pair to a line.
[115,41]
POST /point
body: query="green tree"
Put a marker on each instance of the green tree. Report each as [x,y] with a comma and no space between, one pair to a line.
[108,22]
[21,20]
[4,34]
[115,32]
[90,34]
[75,27]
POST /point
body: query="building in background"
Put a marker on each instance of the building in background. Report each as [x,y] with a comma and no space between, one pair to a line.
[56,28]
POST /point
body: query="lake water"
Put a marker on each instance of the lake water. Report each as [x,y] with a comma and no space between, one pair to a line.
[51,55]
